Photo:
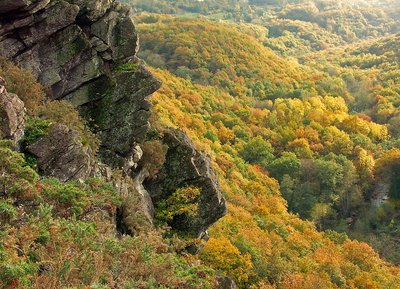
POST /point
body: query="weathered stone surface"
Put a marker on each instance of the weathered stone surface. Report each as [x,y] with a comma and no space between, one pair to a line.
[56,17]
[93,10]
[8,6]
[185,166]
[64,62]
[14,10]
[226,283]
[118,32]
[122,114]
[10,47]
[75,48]
[12,5]
[12,115]
[61,154]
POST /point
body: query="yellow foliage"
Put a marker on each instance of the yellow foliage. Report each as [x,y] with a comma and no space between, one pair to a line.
[222,255]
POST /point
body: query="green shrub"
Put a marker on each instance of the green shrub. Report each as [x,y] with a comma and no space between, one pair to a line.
[75,198]
[7,211]
[181,202]
[129,66]
[17,179]
[34,130]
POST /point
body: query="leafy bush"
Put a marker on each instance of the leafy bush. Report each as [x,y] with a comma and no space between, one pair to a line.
[34,130]
[154,153]
[76,199]
[17,179]
[181,202]
[22,83]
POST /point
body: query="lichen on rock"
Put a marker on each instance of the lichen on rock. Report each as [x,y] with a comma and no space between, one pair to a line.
[61,154]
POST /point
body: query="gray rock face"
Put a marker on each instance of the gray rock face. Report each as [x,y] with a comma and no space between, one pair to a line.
[137,211]
[185,166]
[60,154]
[226,283]
[12,115]
[76,48]
[122,114]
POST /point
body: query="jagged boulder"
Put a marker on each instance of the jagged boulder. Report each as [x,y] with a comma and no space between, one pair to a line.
[12,115]
[185,166]
[61,154]
[226,283]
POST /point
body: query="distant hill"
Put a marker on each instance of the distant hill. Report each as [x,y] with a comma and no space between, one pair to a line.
[294,27]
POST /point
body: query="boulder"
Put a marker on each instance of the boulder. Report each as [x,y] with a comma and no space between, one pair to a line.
[185,166]
[226,282]
[61,154]
[12,115]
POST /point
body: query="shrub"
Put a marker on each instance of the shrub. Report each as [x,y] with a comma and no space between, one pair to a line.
[154,154]
[22,83]
[181,202]
[74,198]
[7,211]
[129,66]
[17,179]
[34,130]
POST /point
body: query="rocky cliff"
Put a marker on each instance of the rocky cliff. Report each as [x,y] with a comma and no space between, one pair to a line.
[85,52]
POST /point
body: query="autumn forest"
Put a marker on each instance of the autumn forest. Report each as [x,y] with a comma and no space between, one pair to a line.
[290,108]
[297,103]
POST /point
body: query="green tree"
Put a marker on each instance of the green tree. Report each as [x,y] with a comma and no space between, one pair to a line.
[258,151]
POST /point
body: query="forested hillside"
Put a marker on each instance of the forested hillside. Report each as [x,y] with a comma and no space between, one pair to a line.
[275,128]
[222,144]
[293,27]
[371,72]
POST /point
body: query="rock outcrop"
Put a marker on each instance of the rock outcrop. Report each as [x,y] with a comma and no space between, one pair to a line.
[122,113]
[84,51]
[12,115]
[61,154]
[226,283]
[185,166]
[137,211]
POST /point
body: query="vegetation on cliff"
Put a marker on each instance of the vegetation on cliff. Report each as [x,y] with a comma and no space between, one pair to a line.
[57,234]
